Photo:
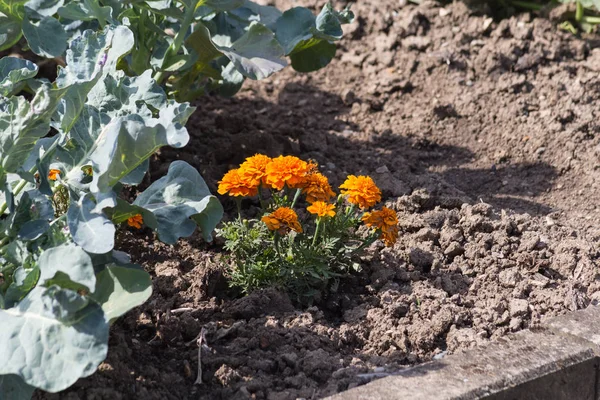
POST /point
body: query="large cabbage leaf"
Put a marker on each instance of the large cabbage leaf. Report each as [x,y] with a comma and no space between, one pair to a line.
[179,201]
[52,338]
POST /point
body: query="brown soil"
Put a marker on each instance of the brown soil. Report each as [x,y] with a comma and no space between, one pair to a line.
[484,137]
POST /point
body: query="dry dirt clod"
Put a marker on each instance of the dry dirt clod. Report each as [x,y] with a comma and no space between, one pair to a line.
[519,307]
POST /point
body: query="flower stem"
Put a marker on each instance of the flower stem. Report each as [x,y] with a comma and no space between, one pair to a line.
[348,213]
[314,241]
[238,203]
[369,241]
[350,209]
[60,218]
[296,196]
[277,244]
[263,204]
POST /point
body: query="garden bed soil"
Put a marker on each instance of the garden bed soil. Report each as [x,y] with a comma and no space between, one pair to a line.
[483,135]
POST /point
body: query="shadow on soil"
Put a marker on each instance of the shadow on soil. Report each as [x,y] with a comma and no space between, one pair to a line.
[315,124]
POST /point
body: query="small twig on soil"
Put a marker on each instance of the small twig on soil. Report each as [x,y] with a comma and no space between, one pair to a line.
[155,338]
[182,310]
[195,340]
[201,343]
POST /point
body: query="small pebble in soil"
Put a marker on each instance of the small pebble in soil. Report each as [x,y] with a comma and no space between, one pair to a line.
[515,324]
[540,151]
[518,307]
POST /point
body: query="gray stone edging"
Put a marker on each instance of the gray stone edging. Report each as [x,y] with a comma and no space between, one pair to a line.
[554,362]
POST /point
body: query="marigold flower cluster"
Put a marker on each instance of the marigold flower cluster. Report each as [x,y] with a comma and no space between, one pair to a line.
[304,234]
[289,172]
[276,173]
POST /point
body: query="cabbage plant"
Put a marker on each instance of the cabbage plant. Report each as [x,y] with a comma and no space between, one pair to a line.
[68,147]
[66,150]
[190,46]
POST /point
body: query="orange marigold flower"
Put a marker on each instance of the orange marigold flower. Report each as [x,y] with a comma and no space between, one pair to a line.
[380,218]
[136,221]
[361,190]
[53,174]
[316,187]
[254,168]
[284,170]
[386,221]
[282,220]
[322,209]
[235,184]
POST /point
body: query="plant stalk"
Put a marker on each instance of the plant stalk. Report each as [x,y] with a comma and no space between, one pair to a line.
[60,218]
[370,240]
[177,43]
[263,205]
[277,244]
[296,196]
[238,203]
[591,20]
[314,241]
[18,189]
[348,213]
[579,12]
